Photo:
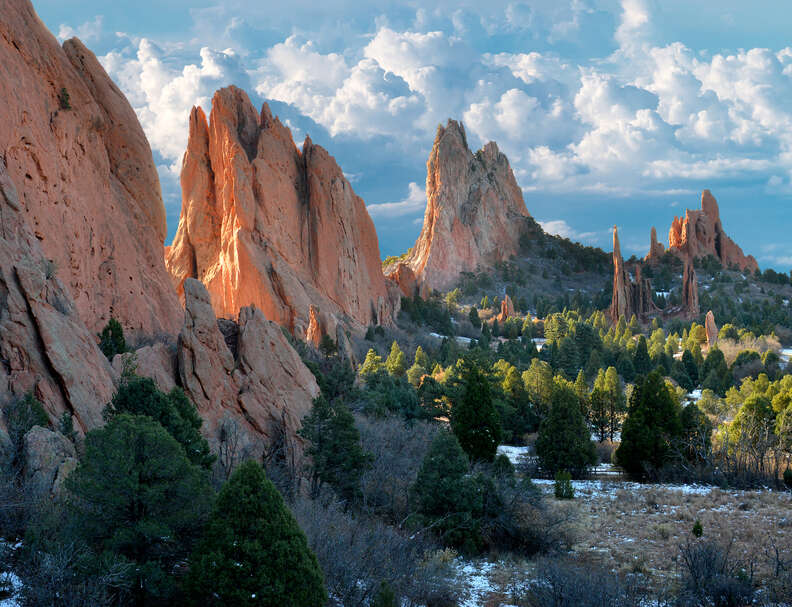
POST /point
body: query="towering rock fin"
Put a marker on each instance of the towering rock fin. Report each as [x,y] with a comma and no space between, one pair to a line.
[630,297]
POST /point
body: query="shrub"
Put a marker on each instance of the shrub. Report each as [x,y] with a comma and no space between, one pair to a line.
[21,415]
[788,478]
[563,485]
[111,339]
[698,529]
[63,99]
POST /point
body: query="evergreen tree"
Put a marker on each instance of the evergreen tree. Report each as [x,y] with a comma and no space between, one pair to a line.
[337,456]
[568,356]
[485,303]
[642,364]
[616,402]
[651,428]
[421,358]
[715,372]
[137,497]
[111,339]
[599,412]
[327,346]
[474,419]
[625,367]
[252,551]
[474,317]
[140,396]
[564,441]
[582,392]
[414,375]
[372,365]
[396,363]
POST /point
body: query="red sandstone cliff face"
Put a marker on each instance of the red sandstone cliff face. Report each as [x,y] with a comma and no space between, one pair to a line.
[266,224]
[85,175]
[473,215]
[699,234]
[44,346]
[629,297]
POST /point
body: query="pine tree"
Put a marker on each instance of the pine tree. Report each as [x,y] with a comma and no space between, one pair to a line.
[253,553]
[415,374]
[421,358]
[474,317]
[642,364]
[176,413]
[135,495]
[474,419]
[337,456]
[111,339]
[616,403]
[396,363]
[372,365]
[651,427]
[564,440]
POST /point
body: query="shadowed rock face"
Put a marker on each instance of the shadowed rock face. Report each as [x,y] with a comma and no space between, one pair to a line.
[700,234]
[266,224]
[85,176]
[45,347]
[690,297]
[629,297]
[474,213]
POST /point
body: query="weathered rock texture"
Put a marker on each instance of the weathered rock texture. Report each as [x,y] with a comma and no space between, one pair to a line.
[474,215]
[49,457]
[44,346]
[507,309]
[700,234]
[690,296]
[630,297]
[247,374]
[266,224]
[656,249]
[712,329]
[85,175]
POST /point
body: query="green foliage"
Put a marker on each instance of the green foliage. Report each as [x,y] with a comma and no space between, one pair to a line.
[698,529]
[385,596]
[136,496]
[337,457]
[111,339]
[432,312]
[66,426]
[651,428]
[474,419]
[252,551]
[642,364]
[328,346]
[21,415]
[384,393]
[563,485]
[140,396]
[564,441]
[373,364]
[473,316]
[63,99]
[396,363]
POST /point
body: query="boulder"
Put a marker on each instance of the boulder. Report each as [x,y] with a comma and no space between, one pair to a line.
[49,457]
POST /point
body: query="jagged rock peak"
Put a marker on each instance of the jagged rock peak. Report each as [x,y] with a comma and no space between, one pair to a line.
[87,181]
[690,296]
[630,297]
[474,215]
[700,233]
[266,224]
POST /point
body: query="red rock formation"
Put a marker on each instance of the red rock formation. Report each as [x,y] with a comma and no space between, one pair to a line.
[629,297]
[268,225]
[701,233]
[251,376]
[712,329]
[656,249]
[44,346]
[507,309]
[474,212]
[690,298]
[86,178]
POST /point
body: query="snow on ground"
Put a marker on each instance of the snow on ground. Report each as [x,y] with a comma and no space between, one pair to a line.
[465,341]
[473,577]
[516,455]
[9,581]
[610,489]
[786,354]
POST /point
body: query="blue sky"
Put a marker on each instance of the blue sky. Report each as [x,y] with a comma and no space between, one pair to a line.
[611,111]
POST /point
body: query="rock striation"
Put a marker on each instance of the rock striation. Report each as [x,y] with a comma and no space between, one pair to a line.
[45,347]
[700,234]
[474,215]
[86,179]
[266,224]
[246,375]
[630,297]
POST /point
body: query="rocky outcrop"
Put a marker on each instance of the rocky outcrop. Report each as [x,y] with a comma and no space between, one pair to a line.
[507,309]
[711,328]
[85,175]
[249,376]
[474,214]
[265,224]
[44,346]
[630,297]
[49,457]
[156,361]
[690,297]
[656,249]
[700,234]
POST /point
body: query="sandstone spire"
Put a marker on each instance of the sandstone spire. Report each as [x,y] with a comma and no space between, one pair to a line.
[474,213]
[629,297]
[690,298]
[85,174]
[712,329]
[656,249]
[266,224]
